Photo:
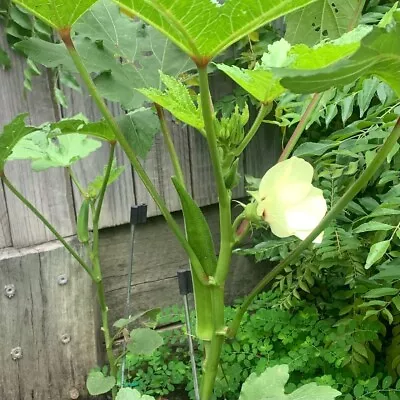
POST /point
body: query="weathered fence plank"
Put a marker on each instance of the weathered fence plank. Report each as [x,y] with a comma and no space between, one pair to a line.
[5,235]
[52,319]
[120,195]
[50,191]
[159,168]
[263,151]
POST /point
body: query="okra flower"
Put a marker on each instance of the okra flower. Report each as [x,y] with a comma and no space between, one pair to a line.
[288,201]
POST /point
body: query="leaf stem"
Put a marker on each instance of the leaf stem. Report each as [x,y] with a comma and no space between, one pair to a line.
[170,145]
[49,226]
[301,126]
[264,110]
[75,181]
[354,189]
[129,151]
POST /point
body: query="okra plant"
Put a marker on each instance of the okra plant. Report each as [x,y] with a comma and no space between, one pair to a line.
[190,34]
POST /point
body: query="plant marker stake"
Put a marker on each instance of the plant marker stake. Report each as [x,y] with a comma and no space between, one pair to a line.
[138,216]
[186,287]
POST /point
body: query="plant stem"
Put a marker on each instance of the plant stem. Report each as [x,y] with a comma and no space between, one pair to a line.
[226,232]
[226,240]
[170,145]
[49,226]
[264,110]
[214,354]
[354,189]
[129,151]
[98,272]
[301,126]
[76,182]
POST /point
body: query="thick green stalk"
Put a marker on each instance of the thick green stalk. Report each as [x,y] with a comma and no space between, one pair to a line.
[48,225]
[170,145]
[264,110]
[213,354]
[98,272]
[301,126]
[224,197]
[354,189]
[66,37]
[225,253]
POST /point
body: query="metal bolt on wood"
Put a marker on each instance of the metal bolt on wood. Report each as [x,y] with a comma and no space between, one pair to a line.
[16,353]
[62,279]
[65,339]
[74,393]
[9,290]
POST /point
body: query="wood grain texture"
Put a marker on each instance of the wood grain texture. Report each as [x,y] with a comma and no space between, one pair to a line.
[38,318]
[49,191]
[263,151]
[5,234]
[119,196]
[159,168]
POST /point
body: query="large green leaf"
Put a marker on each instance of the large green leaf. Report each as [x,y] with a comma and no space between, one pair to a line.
[379,54]
[270,385]
[49,153]
[324,19]
[262,82]
[203,28]
[57,13]
[142,49]
[12,134]
[124,54]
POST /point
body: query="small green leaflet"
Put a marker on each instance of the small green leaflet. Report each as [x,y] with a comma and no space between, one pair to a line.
[98,384]
[264,83]
[11,135]
[324,19]
[373,226]
[144,341]
[94,187]
[177,100]
[379,55]
[204,28]
[380,292]
[132,394]
[377,251]
[49,153]
[59,14]
[270,385]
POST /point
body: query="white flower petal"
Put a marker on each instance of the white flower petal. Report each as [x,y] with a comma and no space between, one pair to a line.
[288,181]
[306,215]
[273,213]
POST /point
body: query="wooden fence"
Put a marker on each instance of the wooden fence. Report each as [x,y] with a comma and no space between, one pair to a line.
[49,334]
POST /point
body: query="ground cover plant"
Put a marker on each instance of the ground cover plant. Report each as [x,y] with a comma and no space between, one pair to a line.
[187,36]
